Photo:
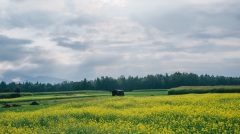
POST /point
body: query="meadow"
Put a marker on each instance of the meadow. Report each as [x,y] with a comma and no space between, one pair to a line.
[137,112]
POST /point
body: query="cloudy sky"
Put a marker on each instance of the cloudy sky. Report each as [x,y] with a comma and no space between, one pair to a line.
[76,39]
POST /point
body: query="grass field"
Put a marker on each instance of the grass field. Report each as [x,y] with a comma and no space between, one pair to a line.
[142,93]
[137,112]
[39,96]
[73,95]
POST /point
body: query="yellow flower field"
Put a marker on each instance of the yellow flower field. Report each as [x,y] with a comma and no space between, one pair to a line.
[205,113]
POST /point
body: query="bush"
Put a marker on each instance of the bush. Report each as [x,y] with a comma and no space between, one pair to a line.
[6,105]
[204,89]
[13,95]
[16,105]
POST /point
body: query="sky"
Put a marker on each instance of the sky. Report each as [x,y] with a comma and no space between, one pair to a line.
[76,39]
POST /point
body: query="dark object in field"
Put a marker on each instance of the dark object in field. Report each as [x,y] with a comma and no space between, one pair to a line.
[14,95]
[117,92]
[16,105]
[34,103]
[6,105]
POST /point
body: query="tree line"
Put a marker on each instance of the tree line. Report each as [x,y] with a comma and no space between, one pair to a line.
[158,81]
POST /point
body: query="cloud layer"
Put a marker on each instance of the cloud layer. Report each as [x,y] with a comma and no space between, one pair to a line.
[74,39]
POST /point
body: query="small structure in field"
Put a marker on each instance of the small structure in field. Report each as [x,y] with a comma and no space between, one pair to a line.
[34,103]
[16,105]
[117,92]
[6,105]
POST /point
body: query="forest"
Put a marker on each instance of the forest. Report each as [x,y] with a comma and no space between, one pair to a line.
[130,83]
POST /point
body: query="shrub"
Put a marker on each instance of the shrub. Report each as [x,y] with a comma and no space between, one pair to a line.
[204,89]
[6,105]
[16,105]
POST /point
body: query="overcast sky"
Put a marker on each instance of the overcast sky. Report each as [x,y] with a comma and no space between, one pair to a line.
[76,39]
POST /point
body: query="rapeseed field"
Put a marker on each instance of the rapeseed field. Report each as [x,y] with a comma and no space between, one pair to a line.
[192,113]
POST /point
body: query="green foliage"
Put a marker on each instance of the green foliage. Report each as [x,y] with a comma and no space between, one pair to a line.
[7,95]
[129,83]
[3,86]
[13,95]
[204,89]
[17,91]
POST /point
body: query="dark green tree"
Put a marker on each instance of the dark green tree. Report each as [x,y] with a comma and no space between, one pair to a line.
[3,86]
[17,91]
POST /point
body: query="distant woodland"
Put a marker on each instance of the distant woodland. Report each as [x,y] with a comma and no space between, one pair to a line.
[129,83]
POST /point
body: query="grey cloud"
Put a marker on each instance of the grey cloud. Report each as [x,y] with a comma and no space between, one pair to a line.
[87,69]
[227,67]
[4,40]
[17,1]
[82,20]
[185,19]
[203,35]
[223,20]
[118,41]
[175,21]
[212,48]
[11,54]
[65,42]
[90,66]
[100,60]
[233,60]
[109,43]
[12,48]
[37,19]
[45,66]
[200,48]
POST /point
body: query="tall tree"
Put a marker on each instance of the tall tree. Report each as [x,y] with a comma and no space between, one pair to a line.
[3,86]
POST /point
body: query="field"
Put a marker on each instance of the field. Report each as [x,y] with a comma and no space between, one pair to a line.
[204,89]
[137,112]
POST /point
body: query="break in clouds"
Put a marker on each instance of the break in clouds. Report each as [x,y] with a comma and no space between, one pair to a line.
[74,39]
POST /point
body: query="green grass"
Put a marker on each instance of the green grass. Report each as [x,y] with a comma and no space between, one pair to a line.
[147,93]
[47,99]
[94,92]
[25,107]
[55,96]
[41,96]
